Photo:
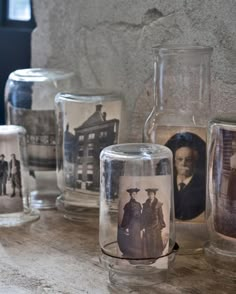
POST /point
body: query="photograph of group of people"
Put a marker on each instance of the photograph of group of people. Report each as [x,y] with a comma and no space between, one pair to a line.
[10,176]
[224,179]
[143,230]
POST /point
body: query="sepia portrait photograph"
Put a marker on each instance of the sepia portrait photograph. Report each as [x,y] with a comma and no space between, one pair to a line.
[41,134]
[144,213]
[189,162]
[225,204]
[85,133]
[10,177]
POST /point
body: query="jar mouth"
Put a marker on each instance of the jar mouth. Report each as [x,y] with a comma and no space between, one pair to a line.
[135,150]
[39,75]
[11,129]
[90,95]
[181,49]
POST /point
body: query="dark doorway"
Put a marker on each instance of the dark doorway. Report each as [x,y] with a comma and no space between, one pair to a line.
[16,25]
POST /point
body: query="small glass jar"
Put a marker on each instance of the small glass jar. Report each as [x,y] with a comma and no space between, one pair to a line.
[179,120]
[87,122]
[29,96]
[220,251]
[136,230]
[14,193]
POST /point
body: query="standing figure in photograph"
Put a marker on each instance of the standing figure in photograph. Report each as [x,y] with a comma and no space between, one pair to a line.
[15,175]
[130,238]
[3,175]
[231,191]
[189,185]
[152,223]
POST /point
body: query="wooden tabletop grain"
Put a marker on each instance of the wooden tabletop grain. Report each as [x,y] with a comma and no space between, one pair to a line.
[54,255]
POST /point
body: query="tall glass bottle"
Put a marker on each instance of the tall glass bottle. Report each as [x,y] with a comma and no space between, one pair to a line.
[178,120]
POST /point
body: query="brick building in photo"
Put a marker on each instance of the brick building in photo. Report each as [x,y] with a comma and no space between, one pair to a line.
[89,139]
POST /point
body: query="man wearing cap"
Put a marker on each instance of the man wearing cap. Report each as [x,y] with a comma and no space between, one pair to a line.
[152,223]
[3,175]
[131,246]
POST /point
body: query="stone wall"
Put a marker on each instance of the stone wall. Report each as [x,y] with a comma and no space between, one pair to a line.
[107,43]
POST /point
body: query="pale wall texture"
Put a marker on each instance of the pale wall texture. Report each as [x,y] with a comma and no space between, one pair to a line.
[107,43]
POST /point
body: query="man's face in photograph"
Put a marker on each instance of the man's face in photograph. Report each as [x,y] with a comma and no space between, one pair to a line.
[184,161]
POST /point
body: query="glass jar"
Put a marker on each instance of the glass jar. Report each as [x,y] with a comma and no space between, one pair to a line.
[87,122]
[220,251]
[136,230]
[29,96]
[178,120]
[14,193]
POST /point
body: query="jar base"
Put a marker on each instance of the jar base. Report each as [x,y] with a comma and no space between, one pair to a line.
[138,279]
[223,262]
[126,275]
[19,218]
[44,200]
[191,237]
[76,213]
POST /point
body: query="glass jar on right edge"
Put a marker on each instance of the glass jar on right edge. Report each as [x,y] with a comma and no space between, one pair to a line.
[220,249]
[178,120]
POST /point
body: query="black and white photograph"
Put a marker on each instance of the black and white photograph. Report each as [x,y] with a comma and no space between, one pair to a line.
[85,133]
[41,141]
[144,216]
[10,177]
[225,205]
[189,161]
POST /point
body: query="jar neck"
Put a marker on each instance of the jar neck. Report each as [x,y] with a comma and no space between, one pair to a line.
[182,81]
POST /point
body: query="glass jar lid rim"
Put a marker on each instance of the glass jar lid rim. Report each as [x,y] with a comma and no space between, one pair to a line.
[12,129]
[39,74]
[178,49]
[89,95]
[135,150]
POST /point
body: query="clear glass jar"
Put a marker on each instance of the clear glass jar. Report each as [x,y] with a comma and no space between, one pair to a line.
[136,230]
[29,97]
[178,120]
[220,250]
[14,191]
[87,122]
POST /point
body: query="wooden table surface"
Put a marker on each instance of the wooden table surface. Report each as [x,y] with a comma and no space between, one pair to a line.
[54,255]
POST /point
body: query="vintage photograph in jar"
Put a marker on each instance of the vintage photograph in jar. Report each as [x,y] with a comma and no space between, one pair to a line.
[87,129]
[225,180]
[10,177]
[189,161]
[144,216]
[41,137]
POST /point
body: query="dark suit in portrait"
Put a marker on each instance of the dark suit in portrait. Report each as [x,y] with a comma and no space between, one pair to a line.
[15,175]
[190,198]
[3,175]
[152,223]
[129,236]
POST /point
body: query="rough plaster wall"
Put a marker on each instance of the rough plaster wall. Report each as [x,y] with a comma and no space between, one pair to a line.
[107,43]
